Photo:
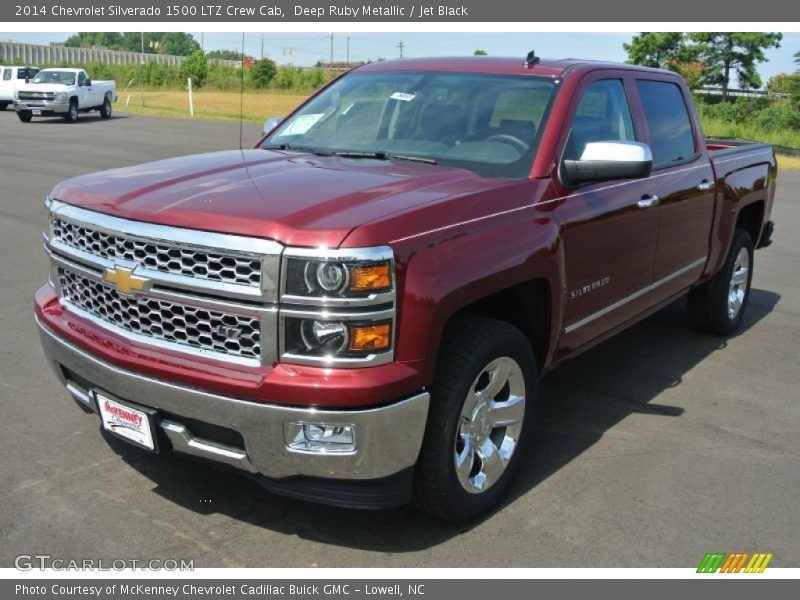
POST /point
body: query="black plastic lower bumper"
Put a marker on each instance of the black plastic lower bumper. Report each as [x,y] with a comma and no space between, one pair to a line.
[374,494]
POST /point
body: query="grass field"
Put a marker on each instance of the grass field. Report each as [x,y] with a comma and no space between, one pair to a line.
[259,106]
[218,106]
[785,137]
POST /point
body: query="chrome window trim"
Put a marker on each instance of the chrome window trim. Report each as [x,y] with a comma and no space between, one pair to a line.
[637,294]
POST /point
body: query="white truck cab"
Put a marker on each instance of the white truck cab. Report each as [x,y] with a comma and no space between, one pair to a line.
[65,92]
[11,78]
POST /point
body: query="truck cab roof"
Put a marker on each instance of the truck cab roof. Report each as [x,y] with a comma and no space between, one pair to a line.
[502,65]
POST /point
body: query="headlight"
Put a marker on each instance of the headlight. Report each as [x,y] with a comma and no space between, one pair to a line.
[16,95]
[337,307]
[61,97]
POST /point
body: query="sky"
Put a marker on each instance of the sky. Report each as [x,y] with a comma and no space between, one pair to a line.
[307,48]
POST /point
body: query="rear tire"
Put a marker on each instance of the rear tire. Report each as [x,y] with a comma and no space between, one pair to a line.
[482,404]
[717,306]
[72,114]
[4,105]
[105,110]
[25,116]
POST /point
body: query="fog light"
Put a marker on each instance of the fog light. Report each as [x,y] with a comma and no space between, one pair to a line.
[320,437]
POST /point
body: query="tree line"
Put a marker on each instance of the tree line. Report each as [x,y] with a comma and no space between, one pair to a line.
[705,58]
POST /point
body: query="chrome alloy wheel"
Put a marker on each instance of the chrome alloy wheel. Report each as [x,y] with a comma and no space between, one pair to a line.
[738,286]
[490,425]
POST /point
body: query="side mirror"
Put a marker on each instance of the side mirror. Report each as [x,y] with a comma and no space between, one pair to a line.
[87,82]
[604,161]
[271,124]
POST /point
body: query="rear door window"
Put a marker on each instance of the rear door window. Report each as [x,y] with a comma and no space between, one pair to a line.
[671,135]
[6,74]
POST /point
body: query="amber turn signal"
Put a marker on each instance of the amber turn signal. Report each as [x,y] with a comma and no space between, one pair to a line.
[371,278]
[370,338]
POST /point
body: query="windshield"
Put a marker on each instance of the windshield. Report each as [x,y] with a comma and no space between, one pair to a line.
[485,123]
[64,77]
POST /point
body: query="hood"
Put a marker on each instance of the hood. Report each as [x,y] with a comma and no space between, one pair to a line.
[296,199]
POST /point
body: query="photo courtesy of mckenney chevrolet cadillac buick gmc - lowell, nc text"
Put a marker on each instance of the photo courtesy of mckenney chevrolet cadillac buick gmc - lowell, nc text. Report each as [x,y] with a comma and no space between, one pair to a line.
[358,310]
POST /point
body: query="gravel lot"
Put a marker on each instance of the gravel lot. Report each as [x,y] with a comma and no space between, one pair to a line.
[652,449]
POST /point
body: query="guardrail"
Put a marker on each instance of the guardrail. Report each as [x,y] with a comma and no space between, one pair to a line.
[12,53]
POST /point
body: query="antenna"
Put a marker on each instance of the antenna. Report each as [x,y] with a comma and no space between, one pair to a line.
[241,95]
[531,60]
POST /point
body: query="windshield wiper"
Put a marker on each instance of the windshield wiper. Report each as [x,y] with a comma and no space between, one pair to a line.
[298,148]
[383,155]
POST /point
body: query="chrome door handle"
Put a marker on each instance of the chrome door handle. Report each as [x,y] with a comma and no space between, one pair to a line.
[648,201]
[705,186]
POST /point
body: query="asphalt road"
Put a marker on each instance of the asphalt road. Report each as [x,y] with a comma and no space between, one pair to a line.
[651,450]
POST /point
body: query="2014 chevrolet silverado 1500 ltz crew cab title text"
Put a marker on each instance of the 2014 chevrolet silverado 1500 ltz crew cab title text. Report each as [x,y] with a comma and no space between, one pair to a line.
[65,92]
[358,310]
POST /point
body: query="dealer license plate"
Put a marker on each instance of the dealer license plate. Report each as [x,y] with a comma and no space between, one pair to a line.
[37,112]
[127,422]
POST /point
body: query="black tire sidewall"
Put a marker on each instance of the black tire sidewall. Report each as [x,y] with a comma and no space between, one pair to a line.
[105,110]
[741,240]
[25,116]
[70,116]
[466,505]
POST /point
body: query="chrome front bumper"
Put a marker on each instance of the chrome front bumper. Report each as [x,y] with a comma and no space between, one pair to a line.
[388,438]
[46,106]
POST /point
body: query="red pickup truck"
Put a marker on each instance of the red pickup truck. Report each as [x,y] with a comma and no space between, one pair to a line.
[358,310]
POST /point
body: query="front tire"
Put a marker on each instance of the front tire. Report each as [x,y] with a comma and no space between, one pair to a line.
[105,110]
[25,116]
[482,404]
[72,114]
[717,306]
[4,105]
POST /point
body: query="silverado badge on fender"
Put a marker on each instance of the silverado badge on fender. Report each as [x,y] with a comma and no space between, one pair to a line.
[589,287]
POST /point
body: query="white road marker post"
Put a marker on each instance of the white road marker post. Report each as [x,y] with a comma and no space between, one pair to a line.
[191,100]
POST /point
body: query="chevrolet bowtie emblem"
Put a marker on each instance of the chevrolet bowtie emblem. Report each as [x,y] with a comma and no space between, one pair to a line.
[125,281]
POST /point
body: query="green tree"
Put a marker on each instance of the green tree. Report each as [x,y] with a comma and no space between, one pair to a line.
[797,57]
[480,52]
[727,54]
[87,39]
[660,50]
[179,43]
[262,72]
[227,55]
[196,67]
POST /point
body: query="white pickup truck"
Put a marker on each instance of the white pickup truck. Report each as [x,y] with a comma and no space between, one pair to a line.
[65,92]
[10,79]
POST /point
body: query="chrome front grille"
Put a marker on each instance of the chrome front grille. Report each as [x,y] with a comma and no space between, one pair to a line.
[203,293]
[212,331]
[234,268]
[36,95]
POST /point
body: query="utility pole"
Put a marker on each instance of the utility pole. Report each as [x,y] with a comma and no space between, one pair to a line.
[203,42]
[348,50]
[331,61]
[401,45]
[141,67]
[262,46]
